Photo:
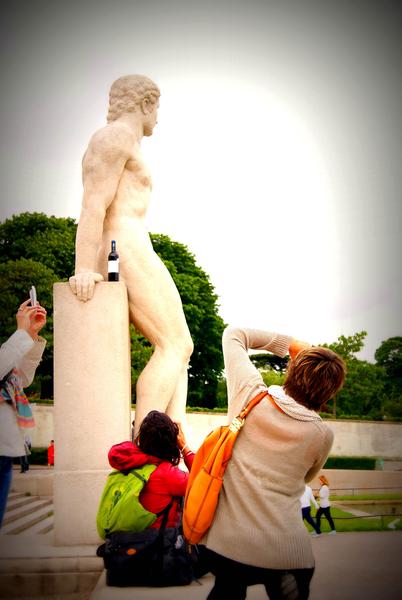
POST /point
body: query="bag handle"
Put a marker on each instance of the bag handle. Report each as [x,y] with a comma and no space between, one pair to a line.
[243,414]
[238,421]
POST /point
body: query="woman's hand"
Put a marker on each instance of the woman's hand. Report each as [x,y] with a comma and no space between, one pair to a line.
[181,438]
[297,346]
[31,318]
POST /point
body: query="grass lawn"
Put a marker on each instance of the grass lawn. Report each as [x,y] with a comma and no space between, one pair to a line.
[346,521]
[377,497]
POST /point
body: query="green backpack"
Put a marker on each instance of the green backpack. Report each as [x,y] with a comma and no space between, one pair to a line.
[120,508]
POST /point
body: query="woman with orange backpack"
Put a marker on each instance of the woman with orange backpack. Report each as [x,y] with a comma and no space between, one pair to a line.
[257,535]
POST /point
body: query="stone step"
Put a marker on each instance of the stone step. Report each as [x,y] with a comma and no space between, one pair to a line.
[28,508]
[17,501]
[31,566]
[27,514]
[197,590]
[43,526]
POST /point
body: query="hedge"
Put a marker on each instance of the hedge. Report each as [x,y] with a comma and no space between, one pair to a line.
[38,456]
[366,463]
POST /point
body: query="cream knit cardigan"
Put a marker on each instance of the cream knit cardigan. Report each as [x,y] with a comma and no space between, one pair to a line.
[258,520]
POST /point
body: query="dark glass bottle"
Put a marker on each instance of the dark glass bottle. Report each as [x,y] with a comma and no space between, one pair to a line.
[113,264]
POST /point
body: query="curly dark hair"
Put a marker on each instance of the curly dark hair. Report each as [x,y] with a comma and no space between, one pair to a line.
[158,436]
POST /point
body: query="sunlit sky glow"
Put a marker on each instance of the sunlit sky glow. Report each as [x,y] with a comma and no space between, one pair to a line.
[276,158]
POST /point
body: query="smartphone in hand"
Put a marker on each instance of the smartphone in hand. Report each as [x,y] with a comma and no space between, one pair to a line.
[32,296]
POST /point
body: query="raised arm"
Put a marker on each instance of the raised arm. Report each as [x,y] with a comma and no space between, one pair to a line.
[28,363]
[13,350]
[102,167]
[18,350]
[240,371]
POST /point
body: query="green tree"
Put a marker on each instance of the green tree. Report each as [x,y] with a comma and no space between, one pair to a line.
[201,310]
[364,391]
[389,356]
[266,361]
[49,241]
[346,347]
[38,250]
[273,377]
[16,277]
[34,250]
[141,352]
[222,394]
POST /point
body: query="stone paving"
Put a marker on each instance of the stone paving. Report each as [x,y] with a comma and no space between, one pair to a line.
[356,565]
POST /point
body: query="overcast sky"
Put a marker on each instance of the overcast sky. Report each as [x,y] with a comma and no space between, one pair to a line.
[276,158]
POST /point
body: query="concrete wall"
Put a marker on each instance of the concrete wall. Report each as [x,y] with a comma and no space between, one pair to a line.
[342,481]
[352,438]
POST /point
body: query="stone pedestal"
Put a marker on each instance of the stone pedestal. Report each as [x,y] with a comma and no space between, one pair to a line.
[91,402]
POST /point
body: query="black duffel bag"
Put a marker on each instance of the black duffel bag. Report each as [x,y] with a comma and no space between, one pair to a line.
[153,557]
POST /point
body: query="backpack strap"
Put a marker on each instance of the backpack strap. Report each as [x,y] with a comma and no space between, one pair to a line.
[165,510]
[165,513]
[134,472]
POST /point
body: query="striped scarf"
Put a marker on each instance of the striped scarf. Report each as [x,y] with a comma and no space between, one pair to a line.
[11,391]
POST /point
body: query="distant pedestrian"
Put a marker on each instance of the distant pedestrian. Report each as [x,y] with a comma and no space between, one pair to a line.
[306,500]
[325,505]
[50,454]
[24,458]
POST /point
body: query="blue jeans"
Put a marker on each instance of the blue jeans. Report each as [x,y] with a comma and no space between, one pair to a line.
[6,472]
[327,512]
[306,514]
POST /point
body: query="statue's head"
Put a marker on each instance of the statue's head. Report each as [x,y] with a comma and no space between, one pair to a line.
[131,92]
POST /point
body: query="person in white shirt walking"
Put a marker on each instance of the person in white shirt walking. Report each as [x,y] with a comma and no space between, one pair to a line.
[306,500]
[325,505]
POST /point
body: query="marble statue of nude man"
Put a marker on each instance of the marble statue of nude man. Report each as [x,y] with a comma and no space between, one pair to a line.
[117,188]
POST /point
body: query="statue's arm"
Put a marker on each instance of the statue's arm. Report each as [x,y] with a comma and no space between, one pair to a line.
[102,167]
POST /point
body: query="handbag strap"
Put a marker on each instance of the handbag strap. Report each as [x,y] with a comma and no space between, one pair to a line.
[243,414]
[255,401]
[238,422]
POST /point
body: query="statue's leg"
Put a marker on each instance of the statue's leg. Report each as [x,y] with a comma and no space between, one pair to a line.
[161,385]
[176,409]
[157,312]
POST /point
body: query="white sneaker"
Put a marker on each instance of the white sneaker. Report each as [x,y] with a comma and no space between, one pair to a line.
[315,534]
[333,532]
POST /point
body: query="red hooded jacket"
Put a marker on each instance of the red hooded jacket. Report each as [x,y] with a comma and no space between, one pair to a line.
[165,483]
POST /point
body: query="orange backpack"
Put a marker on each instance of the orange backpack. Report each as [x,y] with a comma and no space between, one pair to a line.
[206,475]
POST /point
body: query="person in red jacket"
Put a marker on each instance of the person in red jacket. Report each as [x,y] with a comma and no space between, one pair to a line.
[50,454]
[160,442]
